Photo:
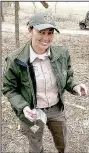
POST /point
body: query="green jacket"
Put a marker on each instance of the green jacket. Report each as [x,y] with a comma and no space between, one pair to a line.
[19,84]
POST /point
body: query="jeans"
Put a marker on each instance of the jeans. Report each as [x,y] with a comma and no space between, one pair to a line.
[56,123]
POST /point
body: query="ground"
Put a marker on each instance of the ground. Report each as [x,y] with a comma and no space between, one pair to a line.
[76,108]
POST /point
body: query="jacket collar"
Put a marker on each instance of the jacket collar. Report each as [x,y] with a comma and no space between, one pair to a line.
[24,54]
[55,53]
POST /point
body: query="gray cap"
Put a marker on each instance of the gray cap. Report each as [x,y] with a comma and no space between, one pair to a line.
[41,21]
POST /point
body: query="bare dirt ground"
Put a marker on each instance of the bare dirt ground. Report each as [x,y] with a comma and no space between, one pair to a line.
[76,108]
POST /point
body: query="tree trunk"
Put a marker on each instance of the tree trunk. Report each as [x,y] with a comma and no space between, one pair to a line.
[34,7]
[17,24]
[2,16]
[45,4]
[55,6]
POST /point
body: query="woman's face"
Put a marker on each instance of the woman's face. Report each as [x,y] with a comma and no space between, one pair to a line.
[41,40]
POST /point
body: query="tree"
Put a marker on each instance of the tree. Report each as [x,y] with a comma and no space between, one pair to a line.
[45,4]
[55,6]
[17,24]
[34,7]
[2,16]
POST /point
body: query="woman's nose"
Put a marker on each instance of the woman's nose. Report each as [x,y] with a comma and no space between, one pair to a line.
[46,37]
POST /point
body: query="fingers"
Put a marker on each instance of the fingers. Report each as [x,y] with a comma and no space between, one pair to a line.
[78,90]
[81,89]
[29,114]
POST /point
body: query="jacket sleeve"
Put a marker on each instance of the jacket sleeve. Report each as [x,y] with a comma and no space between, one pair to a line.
[10,86]
[70,84]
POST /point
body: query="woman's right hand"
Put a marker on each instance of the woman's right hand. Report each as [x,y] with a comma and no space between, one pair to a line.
[30,114]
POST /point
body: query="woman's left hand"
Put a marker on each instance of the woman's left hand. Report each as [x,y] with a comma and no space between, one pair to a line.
[81,89]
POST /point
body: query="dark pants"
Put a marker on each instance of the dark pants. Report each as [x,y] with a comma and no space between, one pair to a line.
[56,123]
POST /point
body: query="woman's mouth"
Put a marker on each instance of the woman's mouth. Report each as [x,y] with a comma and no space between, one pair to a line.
[44,43]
